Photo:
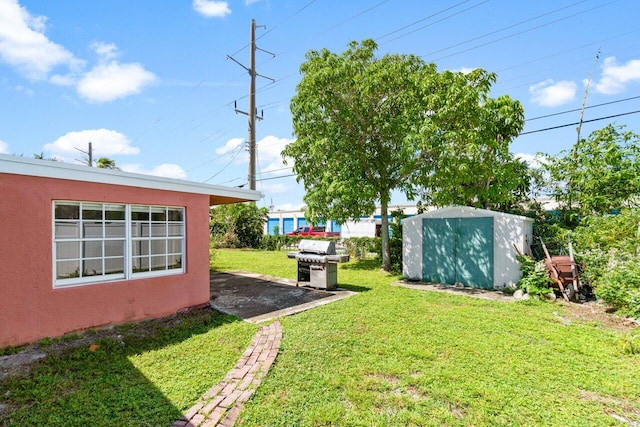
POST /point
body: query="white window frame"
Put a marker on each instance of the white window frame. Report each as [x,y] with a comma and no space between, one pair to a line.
[178,234]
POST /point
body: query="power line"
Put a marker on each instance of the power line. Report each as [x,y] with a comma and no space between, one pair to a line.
[420,20]
[438,21]
[578,109]
[537,27]
[504,28]
[352,18]
[577,123]
[276,177]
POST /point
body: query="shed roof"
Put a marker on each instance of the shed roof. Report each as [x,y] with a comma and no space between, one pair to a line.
[456,211]
[218,195]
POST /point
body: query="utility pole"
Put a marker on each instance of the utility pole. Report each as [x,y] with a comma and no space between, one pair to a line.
[252,107]
[89,155]
[252,114]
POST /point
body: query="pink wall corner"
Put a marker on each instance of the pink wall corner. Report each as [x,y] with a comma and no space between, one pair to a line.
[32,309]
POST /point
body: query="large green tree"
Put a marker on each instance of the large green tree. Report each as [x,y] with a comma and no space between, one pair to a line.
[367,126]
[599,173]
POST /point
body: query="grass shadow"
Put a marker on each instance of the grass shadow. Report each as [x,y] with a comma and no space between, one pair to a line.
[367,264]
[354,288]
[97,383]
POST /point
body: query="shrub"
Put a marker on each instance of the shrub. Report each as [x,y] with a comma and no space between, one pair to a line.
[277,242]
[360,247]
[535,279]
[620,287]
[237,225]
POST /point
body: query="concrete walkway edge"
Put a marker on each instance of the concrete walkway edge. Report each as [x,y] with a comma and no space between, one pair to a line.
[221,405]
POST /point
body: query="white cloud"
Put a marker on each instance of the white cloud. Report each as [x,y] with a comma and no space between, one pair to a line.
[270,147]
[275,188]
[165,170]
[231,145]
[551,94]
[464,70]
[212,9]
[105,51]
[111,80]
[108,82]
[615,77]
[290,207]
[105,142]
[534,161]
[4,147]
[24,45]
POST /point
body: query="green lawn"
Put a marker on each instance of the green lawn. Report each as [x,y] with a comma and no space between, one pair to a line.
[149,377]
[386,356]
[395,356]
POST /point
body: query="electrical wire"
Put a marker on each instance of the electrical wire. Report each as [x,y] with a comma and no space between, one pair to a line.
[580,109]
[577,123]
[537,27]
[437,22]
[503,29]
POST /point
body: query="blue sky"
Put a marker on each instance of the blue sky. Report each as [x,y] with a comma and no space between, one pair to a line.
[148,82]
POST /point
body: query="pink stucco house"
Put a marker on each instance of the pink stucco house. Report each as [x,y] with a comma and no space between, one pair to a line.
[83,247]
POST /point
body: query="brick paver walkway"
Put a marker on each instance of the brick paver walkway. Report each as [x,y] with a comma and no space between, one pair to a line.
[221,405]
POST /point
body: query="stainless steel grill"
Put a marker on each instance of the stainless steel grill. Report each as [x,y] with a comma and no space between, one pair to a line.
[317,263]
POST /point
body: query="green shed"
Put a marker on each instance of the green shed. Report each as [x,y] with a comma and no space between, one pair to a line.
[460,244]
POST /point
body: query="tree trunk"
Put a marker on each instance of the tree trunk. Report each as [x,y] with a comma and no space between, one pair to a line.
[384,233]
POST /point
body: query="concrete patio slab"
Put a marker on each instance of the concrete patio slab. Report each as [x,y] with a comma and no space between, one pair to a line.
[257,298]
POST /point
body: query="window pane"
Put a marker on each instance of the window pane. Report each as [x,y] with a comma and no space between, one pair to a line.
[158,229]
[174,261]
[92,267]
[114,229]
[114,265]
[91,211]
[91,229]
[67,250]
[158,247]
[67,210]
[114,248]
[158,214]
[158,263]
[92,249]
[67,269]
[175,230]
[175,214]
[140,247]
[139,213]
[140,264]
[114,212]
[67,230]
[174,246]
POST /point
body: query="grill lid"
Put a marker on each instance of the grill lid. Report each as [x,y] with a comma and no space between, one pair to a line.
[322,247]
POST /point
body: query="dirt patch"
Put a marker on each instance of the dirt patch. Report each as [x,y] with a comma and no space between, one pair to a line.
[597,313]
[591,311]
[618,408]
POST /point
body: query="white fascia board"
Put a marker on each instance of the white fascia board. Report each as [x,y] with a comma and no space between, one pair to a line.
[52,169]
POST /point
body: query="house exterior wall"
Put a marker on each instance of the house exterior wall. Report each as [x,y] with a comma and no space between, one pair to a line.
[509,230]
[32,309]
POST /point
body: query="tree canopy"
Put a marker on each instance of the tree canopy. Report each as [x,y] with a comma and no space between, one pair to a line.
[367,126]
[238,225]
[106,163]
[599,174]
